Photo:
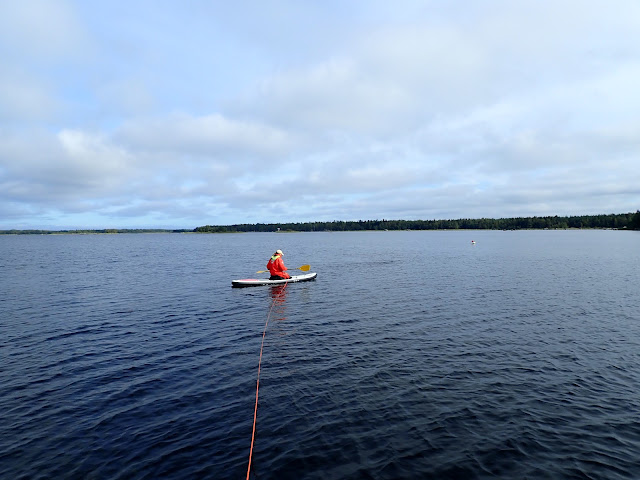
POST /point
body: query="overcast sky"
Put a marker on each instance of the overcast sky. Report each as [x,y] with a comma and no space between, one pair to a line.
[177,114]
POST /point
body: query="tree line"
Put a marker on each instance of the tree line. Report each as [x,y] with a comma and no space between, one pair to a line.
[615,221]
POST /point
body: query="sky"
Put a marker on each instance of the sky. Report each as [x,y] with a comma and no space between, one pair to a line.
[178,114]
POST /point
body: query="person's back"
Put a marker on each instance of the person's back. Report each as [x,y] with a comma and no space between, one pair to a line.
[276,266]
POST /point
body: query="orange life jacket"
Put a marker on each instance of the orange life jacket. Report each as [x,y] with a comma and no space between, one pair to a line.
[276,267]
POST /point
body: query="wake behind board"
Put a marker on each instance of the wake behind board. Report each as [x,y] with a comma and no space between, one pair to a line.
[255,282]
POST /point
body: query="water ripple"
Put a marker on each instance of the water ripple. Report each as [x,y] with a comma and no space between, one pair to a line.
[130,357]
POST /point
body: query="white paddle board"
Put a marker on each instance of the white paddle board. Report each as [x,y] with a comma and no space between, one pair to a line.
[255,282]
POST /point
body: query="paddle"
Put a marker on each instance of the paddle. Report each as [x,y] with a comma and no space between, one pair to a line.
[304,268]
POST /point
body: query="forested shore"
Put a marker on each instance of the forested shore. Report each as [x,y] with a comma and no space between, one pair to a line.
[628,221]
[611,221]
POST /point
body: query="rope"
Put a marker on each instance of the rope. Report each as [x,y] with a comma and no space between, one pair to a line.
[255,410]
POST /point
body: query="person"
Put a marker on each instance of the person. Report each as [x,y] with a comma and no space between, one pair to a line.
[276,267]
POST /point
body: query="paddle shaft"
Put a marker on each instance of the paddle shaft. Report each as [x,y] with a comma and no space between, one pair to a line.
[304,268]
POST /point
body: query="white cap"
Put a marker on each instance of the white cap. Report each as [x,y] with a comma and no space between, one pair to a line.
[279,252]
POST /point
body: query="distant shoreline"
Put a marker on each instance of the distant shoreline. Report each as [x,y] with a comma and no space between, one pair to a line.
[110,231]
[190,232]
[621,221]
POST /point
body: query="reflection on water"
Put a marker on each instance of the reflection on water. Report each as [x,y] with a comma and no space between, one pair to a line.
[278,306]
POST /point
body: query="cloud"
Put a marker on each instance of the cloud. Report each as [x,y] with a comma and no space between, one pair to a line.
[41,29]
[48,169]
[209,135]
[24,98]
[423,110]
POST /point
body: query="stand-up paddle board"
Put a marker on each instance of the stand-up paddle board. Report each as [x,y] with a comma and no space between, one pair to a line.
[255,282]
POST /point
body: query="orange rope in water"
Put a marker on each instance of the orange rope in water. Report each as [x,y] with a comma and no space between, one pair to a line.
[255,410]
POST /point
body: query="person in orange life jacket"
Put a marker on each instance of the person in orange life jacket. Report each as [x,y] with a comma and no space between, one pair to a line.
[276,267]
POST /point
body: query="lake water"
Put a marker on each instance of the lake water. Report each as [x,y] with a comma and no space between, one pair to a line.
[413,355]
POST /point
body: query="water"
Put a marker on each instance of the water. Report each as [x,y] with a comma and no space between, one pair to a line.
[413,355]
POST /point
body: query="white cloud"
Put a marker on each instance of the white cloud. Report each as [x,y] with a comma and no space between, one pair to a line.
[24,98]
[41,29]
[210,135]
[420,110]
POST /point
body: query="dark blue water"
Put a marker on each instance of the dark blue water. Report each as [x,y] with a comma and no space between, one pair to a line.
[413,355]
